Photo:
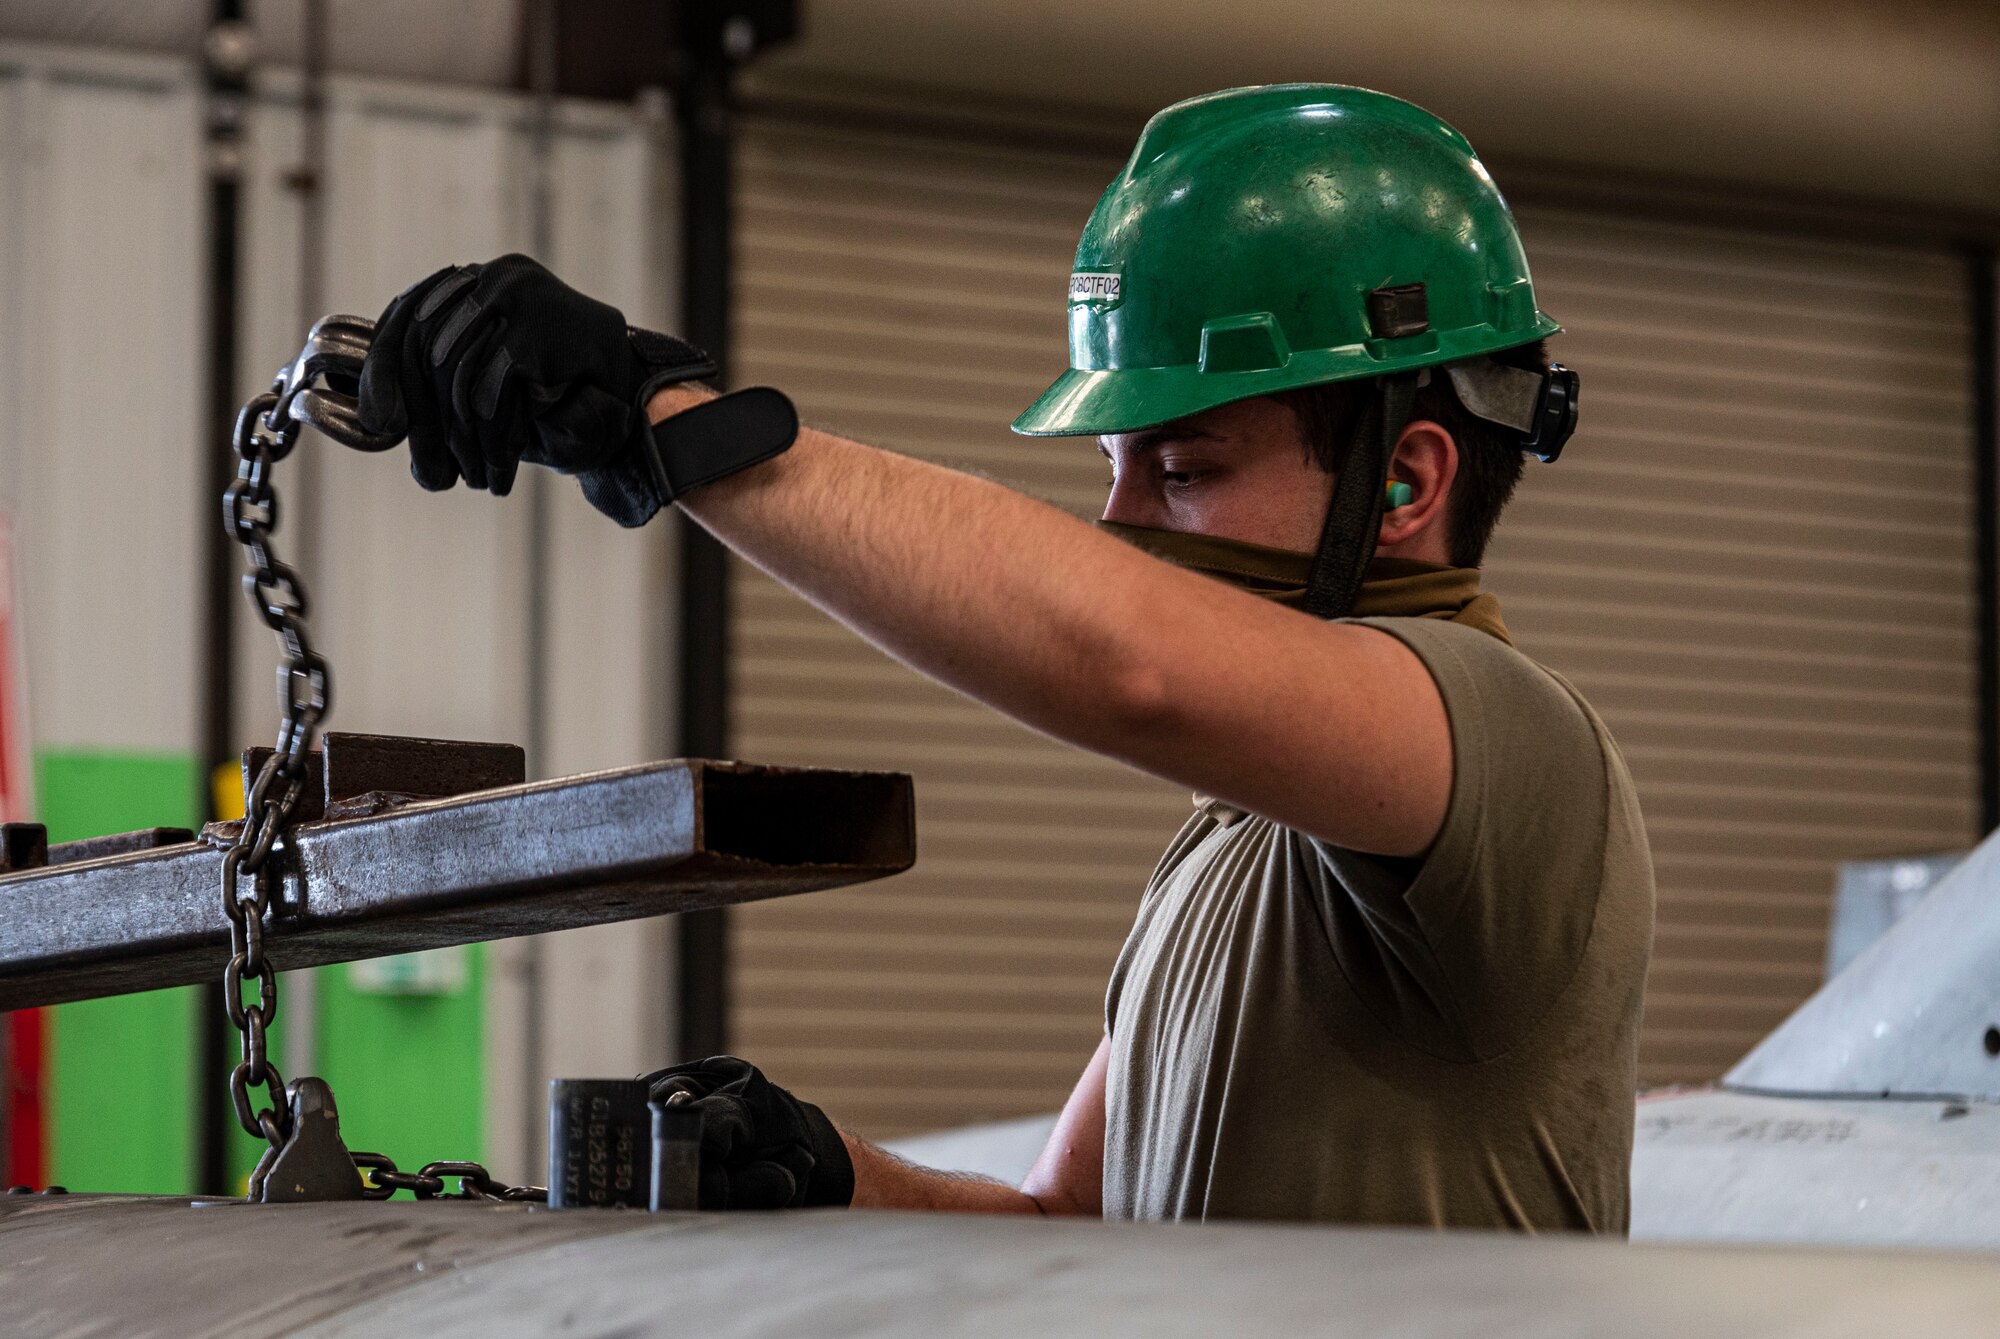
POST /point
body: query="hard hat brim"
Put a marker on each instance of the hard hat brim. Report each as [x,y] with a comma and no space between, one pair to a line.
[1093,402]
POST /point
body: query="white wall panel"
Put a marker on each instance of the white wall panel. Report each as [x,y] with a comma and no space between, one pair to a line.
[100,339]
[419,603]
[430,589]
[414,595]
[611,676]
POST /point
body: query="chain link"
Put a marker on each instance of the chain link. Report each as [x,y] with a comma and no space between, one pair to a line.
[474,1181]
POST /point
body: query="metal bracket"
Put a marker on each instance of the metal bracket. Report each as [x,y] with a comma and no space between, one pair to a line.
[348,771]
[313,1164]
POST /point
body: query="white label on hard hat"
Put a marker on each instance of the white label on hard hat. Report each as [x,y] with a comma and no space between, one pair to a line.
[1085,287]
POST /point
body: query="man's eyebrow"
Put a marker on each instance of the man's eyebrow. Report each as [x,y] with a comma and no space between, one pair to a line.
[1180,430]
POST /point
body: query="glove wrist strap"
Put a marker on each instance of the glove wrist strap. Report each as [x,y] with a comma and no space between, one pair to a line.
[717,438]
[832,1179]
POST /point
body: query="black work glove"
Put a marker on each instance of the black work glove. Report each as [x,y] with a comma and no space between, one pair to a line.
[487,366]
[761,1148]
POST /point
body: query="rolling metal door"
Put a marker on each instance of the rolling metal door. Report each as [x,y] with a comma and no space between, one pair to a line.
[1756,561]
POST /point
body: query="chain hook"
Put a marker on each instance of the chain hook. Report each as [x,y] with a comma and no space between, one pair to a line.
[319,386]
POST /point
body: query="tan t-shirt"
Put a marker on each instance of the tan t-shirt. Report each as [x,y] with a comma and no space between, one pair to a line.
[1304,1032]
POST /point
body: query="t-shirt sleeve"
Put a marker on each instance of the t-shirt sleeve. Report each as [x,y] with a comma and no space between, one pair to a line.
[1489,927]
[1198,826]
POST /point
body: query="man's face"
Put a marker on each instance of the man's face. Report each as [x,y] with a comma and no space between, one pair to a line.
[1238,471]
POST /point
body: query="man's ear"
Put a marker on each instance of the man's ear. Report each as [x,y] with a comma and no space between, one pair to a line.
[1426,459]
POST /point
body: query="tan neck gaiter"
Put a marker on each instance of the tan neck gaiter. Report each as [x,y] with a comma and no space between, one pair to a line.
[1393,587]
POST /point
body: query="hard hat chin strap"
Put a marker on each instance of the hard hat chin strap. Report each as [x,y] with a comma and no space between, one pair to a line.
[1354,518]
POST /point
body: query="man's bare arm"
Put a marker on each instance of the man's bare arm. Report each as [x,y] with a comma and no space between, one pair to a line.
[1067,1180]
[1334,729]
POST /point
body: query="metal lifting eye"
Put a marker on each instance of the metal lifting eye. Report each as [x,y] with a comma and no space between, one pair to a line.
[313,389]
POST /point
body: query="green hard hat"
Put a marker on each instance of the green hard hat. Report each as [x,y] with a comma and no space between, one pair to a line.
[1262,239]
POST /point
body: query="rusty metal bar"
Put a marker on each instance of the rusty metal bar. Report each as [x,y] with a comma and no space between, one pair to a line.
[609,846]
[117,843]
[347,767]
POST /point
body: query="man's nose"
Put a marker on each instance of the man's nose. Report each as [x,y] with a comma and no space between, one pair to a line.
[1132,503]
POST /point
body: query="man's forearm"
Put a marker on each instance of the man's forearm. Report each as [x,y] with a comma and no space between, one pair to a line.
[1334,729]
[929,563]
[884,1181]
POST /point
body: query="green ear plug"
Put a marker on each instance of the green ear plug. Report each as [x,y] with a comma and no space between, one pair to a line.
[1398,495]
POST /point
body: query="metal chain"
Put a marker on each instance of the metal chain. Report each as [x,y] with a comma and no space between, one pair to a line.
[313,389]
[474,1181]
[265,433]
[267,428]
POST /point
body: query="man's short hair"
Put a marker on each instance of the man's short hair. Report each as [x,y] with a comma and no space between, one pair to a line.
[1489,456]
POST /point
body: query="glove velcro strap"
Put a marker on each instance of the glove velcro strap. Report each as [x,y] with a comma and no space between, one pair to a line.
[668,361]
[718,437]
[832,1180]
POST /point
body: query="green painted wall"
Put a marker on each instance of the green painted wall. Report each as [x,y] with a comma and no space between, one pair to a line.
[408,1070]
[120,1096]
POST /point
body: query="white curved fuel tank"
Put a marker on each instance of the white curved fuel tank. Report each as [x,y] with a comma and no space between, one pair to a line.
[125,1266]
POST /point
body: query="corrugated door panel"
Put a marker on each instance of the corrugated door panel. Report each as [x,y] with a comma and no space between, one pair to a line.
[908,292]
[1756,560]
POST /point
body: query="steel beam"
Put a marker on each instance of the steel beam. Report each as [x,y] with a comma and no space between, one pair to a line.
[608,846]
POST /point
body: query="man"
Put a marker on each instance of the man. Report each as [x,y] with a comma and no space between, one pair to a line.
[1390,971]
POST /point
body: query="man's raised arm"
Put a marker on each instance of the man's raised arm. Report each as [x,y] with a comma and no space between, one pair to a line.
[1333,729]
